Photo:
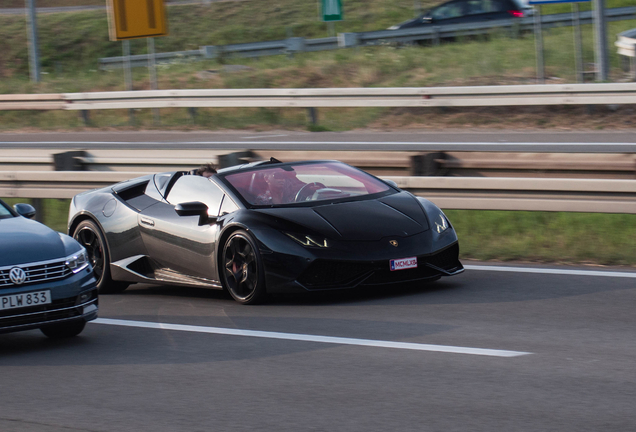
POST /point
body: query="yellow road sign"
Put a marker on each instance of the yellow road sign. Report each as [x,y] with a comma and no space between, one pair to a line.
[132,19]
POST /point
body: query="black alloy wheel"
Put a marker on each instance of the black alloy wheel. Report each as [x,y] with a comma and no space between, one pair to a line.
[242,271]
[89,235]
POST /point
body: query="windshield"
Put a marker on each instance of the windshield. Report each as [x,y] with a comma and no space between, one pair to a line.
[4,211]
[308,182]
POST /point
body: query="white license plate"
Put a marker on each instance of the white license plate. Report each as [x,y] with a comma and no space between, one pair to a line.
[33,298]
[403,263]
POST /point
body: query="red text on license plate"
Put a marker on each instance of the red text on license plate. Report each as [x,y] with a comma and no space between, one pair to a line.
[403,263]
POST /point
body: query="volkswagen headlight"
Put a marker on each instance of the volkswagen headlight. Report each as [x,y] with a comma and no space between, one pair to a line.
[78,261]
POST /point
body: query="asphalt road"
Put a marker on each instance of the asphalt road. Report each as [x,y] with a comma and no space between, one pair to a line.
[504,140]
[572,366]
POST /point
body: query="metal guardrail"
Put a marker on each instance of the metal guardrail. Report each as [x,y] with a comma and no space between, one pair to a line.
[380,163]
[350,40]
[550,94]
[42,102]
[626,44]
[573,195]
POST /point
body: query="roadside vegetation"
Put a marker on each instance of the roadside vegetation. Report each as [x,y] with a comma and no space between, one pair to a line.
[72,43]
[558,237]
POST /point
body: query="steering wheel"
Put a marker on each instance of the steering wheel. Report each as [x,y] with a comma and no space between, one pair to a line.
[308,190]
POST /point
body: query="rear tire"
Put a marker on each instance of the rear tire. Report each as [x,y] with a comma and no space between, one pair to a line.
[89,235]
[241,269]
[64,330]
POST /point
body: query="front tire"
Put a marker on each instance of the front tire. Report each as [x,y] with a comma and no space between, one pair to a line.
[241,269]
[64,330]
[89,235]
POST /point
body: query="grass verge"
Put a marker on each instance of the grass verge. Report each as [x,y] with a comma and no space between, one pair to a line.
[556,237]
[551,237]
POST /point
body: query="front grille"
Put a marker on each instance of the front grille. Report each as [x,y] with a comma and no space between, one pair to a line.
[326,274]
[448,259]
[55,304]
[37,272]
[40,317]
[61,309]
[384,275]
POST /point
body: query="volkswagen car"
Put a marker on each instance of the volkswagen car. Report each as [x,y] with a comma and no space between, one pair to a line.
[46,280]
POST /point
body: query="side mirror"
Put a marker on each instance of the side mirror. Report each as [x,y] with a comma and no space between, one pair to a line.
[391,183]
[26,210]
[194,208]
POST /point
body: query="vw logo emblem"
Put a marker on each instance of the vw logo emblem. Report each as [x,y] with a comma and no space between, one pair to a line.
[393,243]
[17,275]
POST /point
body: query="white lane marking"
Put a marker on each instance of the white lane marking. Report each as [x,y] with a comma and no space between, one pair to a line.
[263,136]
[553,271]
[511,144]
[312,338]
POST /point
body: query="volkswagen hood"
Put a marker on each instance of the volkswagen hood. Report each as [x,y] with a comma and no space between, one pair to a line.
[24,241]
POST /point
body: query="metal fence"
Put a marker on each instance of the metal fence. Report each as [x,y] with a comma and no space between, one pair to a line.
[349,40]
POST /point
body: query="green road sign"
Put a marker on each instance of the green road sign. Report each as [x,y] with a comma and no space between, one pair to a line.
[331,10]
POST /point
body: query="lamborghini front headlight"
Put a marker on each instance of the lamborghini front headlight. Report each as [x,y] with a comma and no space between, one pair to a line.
[309,240]
[440,223]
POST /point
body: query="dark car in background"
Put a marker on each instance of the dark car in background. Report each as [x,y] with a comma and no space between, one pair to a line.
[46,280]
[468,11]
[265,227]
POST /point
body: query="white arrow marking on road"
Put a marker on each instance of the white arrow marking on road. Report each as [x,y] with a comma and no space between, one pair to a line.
[312,338]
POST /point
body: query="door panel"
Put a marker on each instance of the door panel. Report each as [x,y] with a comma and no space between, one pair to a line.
[179,242]
[182,243]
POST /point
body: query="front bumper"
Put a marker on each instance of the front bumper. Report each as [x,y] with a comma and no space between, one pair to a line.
[74,298]
[296,274]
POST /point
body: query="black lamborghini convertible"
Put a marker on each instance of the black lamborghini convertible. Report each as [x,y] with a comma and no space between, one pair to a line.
[261,228]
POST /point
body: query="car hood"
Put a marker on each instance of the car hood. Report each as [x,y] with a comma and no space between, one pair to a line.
[23,241]
[398,215]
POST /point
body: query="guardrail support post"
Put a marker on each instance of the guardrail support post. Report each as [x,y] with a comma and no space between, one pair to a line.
[294,45]
[34,54]
[538,40]
[152,69]
[347,40]
[209,51]
[578,43]
[39,209]
[428,164]
[128,75]
[600,40]
[193,114]
[85,117]
[312,113]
